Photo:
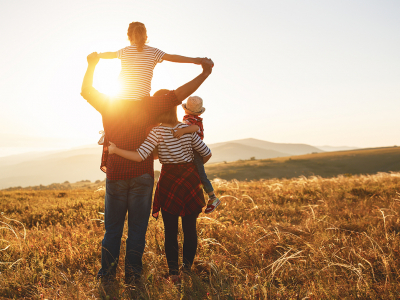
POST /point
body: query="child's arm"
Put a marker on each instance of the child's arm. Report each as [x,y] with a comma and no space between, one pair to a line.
[182,59]
[107,55]
[200,147]
[131,155]
[181,131]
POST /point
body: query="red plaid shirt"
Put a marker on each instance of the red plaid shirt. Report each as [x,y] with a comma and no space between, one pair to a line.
[127,123]
[195,120]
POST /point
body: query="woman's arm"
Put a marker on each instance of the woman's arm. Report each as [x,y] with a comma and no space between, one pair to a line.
[182,59]
[199,146]
[107,55]
[131,155]
[206,158]
[181,131]
[155,153]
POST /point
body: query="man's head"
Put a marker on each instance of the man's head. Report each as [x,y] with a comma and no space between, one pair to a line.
[161,92]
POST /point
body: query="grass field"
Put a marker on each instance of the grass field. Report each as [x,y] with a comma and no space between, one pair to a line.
[303,238]
[327,164]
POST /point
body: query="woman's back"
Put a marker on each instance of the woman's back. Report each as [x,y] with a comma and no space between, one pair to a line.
[172,150]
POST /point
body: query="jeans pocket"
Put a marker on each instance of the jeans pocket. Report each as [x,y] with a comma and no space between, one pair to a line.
[115,187]
[145,180]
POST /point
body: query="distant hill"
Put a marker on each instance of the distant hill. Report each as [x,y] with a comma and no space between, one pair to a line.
[35,168]
[235,151]
[51,167]
[338,148]
[289,149]
[327,164]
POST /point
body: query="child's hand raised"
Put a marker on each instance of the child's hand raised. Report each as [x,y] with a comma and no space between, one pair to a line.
[112,148]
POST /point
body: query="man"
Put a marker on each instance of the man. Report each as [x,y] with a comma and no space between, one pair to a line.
[129,185]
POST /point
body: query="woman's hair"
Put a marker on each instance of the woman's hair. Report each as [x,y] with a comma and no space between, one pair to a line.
[137,34]
[169,117]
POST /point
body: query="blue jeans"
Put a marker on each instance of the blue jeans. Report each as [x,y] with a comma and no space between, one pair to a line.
[198,161]
[132,196]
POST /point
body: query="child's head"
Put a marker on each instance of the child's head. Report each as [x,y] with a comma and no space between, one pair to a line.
[137,34]
[194,106]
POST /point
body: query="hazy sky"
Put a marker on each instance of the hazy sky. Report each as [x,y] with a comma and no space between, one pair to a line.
[315,72]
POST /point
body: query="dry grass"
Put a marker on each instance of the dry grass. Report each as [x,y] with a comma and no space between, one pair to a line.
[304,238]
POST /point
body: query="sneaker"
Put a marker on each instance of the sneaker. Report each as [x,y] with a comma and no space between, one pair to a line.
[101,140]
[211,207]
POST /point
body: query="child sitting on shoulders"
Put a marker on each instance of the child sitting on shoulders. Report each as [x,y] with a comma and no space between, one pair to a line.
[193,109]
[137,63]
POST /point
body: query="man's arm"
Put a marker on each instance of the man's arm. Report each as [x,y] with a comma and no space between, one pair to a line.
[160,104]
[107,55]
[182,59]
[88,92]
[189,88]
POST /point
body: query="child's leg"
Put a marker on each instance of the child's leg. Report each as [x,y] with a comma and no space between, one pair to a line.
[171,241]
[207,186]
[189,240]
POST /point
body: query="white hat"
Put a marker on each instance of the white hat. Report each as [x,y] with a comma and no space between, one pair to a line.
[194,106]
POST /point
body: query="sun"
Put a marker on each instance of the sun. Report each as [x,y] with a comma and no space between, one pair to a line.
[106,77]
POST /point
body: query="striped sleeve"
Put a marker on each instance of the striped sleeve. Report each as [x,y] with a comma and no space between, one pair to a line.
[148,145]
[120,52]
[158,55]
[199,145]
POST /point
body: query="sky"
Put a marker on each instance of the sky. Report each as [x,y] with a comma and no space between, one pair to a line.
[314,72]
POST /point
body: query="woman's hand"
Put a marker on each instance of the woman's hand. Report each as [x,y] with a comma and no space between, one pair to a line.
[112,148]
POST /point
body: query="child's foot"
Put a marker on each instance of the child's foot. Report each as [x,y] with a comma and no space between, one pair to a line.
[212,204]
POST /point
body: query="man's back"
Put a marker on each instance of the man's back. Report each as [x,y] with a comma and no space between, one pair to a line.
[127,124]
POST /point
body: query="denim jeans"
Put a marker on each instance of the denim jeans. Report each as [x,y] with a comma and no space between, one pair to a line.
[132,196]
[198,161]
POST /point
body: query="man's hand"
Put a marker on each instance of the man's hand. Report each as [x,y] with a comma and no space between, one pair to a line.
[93,58]
[112,148]
[208,61]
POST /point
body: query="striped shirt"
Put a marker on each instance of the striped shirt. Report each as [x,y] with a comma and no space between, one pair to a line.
[137,71]
[170,149]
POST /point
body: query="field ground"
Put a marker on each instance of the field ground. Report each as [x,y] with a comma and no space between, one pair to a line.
[326,164]
[303,238]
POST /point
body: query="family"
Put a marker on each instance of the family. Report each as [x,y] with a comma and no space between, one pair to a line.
[139,128]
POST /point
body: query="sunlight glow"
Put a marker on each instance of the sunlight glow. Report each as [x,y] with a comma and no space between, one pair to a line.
[106,77]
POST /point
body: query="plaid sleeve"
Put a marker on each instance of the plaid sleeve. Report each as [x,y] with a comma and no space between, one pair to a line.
[158,55]
[148,145]
[120,52]
[199,145]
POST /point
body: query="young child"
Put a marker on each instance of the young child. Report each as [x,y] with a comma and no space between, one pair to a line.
[137,63]
[194,108]
[178,192]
